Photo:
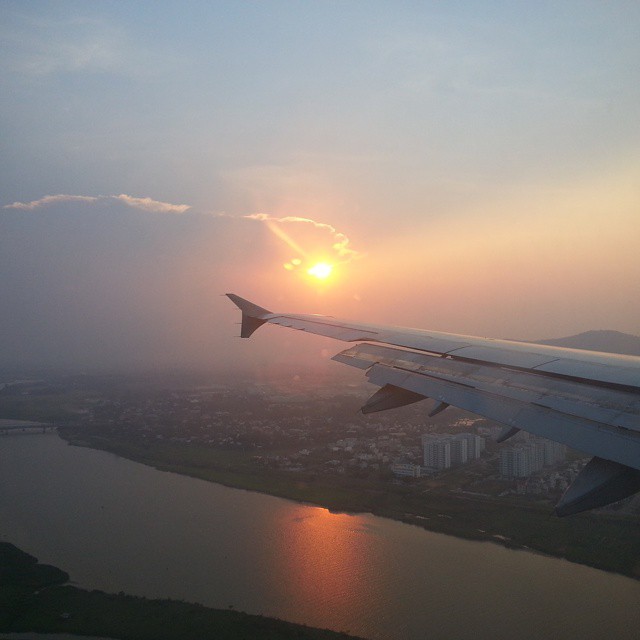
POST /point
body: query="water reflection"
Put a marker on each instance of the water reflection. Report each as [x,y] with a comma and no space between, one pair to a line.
[324,562]
[117,525]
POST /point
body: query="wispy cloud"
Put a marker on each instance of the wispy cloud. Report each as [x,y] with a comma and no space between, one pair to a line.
[48,200]
[340,242]
[144,204]
[80,44]
[148,204]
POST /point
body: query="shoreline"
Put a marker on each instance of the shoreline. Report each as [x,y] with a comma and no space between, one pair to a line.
[39,599]
[528,528]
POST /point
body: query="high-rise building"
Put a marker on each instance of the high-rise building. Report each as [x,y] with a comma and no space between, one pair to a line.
[458,450]
[553,452]
[515,462]
[436,452]
[475,445]
[536,451]
[521,460]
[444,451]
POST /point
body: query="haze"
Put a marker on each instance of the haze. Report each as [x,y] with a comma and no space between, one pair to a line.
[464,167]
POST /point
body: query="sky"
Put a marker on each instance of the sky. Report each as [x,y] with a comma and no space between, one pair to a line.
[469,167]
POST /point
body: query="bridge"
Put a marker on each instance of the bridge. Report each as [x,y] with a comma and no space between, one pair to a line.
[8,426]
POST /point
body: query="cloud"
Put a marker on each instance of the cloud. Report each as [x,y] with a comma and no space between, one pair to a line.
[47,200]
[145,204]
[40,43]
[340,242]
[148,204]
[44,45]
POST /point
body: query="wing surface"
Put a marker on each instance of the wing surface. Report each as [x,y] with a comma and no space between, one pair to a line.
[587,400]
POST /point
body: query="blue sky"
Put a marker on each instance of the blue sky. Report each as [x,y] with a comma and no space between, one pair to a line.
[169,99]
[481,154]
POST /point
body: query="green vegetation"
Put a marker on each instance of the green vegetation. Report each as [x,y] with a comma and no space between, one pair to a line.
[606,542]
[33,598]
[20,576]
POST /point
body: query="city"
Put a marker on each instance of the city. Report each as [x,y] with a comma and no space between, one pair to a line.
[295,427]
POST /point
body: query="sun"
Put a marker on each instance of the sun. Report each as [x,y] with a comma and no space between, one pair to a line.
[320,270]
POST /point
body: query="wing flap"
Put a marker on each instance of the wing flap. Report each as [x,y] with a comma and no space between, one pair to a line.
[595,438]
[612,408]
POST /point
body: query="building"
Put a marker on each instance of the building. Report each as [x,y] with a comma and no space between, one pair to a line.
[554,452]
[436,452]
[475,445]
[406,469]
[458,451]
[445,451]
[523,460]
[536,451]
[515,462]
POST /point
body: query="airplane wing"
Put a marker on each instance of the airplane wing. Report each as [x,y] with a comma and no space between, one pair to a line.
[587,400]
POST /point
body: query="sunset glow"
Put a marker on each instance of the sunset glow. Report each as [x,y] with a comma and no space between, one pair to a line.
[247,236]
[495,172]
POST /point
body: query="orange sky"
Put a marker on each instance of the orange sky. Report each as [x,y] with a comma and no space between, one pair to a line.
[466,167]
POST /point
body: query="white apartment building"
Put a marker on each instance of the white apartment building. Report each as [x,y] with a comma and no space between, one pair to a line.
[445,451]
[553,452]
[515,462]
[475,445]
[436,452]
[458,450]
[520,461]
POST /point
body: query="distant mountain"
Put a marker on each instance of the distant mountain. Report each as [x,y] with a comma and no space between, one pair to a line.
[608,341]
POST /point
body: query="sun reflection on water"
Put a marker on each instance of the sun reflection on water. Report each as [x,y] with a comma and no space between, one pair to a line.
[329,559]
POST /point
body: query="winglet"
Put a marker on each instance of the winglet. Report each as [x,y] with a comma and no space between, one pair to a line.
[253,316]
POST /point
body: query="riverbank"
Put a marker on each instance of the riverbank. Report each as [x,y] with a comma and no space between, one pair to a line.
[34,597]
[605,542]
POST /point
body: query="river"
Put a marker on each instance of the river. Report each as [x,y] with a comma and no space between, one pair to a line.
[117,525]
